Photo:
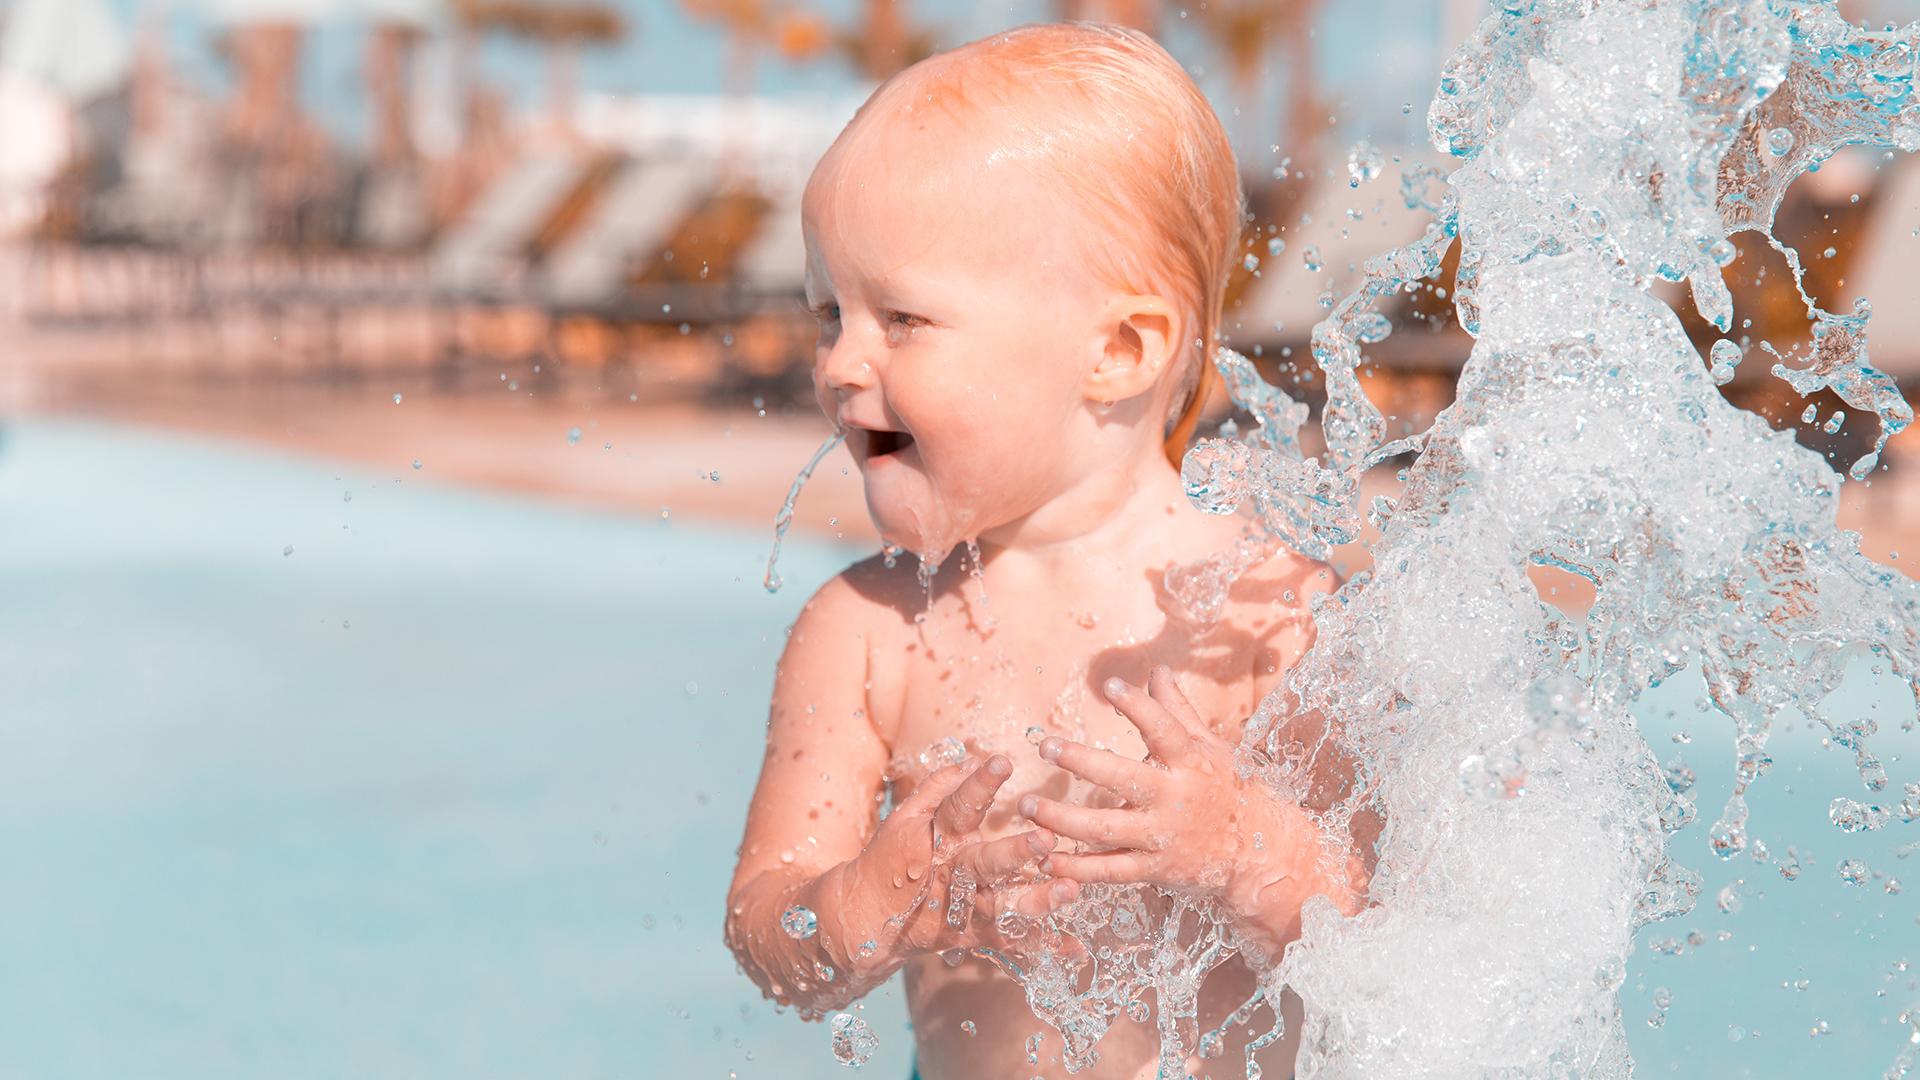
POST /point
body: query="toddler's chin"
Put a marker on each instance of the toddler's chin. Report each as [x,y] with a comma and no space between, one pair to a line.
[917,525]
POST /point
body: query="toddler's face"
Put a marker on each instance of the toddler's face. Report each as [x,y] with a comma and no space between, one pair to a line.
[957,328]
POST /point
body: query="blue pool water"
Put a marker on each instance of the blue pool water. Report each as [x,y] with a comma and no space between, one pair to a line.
[453,790]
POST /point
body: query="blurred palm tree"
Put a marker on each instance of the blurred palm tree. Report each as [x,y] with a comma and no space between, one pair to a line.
[881,43]
[560,28]
[390,48]
[1139,14]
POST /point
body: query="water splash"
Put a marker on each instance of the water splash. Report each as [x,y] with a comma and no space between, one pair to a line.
[1585,435]
[1604,146]
[783,520]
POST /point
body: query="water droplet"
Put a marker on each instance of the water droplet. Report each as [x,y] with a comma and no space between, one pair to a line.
[945,752]
[1849,815]
[1275,246]
[288,550]
[573,436]
[1371,328]
[1854,872]
[416,463]
[1779,141]
[968,1027]
[1310,258]
[1725,356]
[1251,262]
[1364,162]
[396,399]
[853,1040]
[799,922]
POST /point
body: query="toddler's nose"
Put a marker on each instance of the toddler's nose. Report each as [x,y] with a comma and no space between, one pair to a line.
[847,367]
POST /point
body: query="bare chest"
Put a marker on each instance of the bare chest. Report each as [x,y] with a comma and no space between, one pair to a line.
[973,687]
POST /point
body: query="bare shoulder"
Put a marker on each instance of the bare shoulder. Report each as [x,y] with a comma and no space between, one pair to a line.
[851,633]
[875,598]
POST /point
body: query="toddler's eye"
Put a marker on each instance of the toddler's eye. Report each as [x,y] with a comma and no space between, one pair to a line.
[901,318]
[826,313]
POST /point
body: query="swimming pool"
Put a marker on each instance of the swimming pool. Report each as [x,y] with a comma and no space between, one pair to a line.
[453,788]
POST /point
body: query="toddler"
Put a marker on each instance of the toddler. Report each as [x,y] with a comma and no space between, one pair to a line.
[1016,252]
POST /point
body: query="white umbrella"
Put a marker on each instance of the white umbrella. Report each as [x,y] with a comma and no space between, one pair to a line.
[76,48]
[312,12]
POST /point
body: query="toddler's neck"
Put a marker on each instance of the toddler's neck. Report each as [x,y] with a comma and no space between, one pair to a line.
[1114,519]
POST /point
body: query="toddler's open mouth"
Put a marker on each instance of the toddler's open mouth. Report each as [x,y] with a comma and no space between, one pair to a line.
[870,444]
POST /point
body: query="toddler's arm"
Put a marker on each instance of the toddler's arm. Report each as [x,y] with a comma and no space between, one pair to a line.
[865,895]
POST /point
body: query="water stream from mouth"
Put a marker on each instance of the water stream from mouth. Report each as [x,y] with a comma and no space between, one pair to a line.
[783,520]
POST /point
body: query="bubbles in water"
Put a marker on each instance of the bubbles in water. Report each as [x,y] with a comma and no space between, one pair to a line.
[1310,258]
[1854,872]
[573,436]
[1364,162]
[853,1040]
[1275,246]
[288,550]
[1779,142]
[799,922]
[396,399]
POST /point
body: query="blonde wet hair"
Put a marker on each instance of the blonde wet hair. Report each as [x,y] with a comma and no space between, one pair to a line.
[1115,119]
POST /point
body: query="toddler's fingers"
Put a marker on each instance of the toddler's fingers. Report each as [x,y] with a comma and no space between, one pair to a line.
[1131,780]
[962,811]
[1165,736]
[1111,828]
[995,859]
[1042,897]
[927,795]
[1164,689]
[1115,867]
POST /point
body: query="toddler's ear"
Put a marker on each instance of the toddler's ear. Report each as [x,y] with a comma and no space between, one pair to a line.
[1138,347]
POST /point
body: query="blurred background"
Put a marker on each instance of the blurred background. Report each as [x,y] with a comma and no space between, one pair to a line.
[395,398]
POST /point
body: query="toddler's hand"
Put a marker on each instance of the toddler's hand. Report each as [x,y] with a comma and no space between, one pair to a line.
[940,883]
[1190,822]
